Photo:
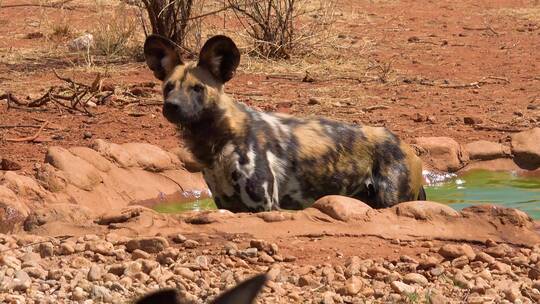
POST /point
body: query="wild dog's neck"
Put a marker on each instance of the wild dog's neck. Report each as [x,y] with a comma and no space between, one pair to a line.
[216,127]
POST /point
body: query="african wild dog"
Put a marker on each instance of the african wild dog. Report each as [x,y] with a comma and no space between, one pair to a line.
[256,161]
[243,293]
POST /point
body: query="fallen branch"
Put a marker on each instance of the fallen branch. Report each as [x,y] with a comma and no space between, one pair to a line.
[25,126]
[486,28]
[377,107]
[29,138]
[498,129]
[476,84]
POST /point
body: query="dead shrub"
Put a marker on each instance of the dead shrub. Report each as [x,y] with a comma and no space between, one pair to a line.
[115,35]
[279,28]
[178,20]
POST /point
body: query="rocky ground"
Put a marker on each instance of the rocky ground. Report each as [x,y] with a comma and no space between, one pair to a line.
[111,269]
[423,69]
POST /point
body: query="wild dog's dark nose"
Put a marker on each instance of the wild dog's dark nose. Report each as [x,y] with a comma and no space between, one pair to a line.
[170,111]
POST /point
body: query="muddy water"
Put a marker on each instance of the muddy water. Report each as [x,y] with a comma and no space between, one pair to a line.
[480,187]
[475,187]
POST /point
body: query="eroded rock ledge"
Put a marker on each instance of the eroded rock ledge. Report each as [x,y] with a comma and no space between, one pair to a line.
[522,153]
[91,181]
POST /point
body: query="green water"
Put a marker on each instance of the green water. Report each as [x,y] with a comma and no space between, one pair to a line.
[196,205]
[475,187]
[479,187]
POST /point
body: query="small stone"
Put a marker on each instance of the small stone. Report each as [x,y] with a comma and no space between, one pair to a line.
[87,135]
[471,120]
[265,258]
[407,259]
[67,248]
[80,262]
[148,244]
[313,101]
[185,272]
[306,280]
[502,267]
[46,249]
[289,258]
[139,254]
[415,278]
[352,286]
[133,268]
[452,251]
[101,294]
[100,246]
[190,244]
[402,288]
[78,294]
[251,252]
[375,270]
[499,251]
[485,274]
[179,238]
[437,298]
[21,282]
[437,271]
[461,281]
[460,262]
[202,261]
[95,272]
[36,272]
[512,293]
[484,257]
[429,262]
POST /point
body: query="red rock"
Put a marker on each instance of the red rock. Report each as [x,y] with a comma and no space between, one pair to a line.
[526,149]
[444,152]
[341,208]
[486,150]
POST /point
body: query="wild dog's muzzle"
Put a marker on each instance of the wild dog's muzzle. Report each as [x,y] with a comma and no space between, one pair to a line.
[171,111]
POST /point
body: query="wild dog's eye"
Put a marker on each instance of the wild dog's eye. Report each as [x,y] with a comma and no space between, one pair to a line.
[197,88]
[168,88]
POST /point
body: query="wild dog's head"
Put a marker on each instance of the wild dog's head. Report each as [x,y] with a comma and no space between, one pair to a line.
[191,89]
[244,293]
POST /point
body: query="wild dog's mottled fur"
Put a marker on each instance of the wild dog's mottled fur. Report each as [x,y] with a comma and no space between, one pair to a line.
[255,161]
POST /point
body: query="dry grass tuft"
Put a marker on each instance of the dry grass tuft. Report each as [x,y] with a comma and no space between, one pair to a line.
[117,34]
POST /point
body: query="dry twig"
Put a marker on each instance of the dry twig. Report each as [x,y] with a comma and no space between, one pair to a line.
[29,138]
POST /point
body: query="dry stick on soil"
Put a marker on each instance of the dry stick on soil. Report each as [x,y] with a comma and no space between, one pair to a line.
[486,28]
[25,126]
[29,138]
[476,84]
[58,4]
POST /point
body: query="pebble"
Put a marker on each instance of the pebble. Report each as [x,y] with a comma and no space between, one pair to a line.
[78,294]
[402,288]
[46,249]
[139,254]
[87,135]
[179,238]
[21,282]
[484,257]
[94,273]
[190,244]
[415,278]
[148,244]
[67,248]
[352,286]
[460,262]
[452,251]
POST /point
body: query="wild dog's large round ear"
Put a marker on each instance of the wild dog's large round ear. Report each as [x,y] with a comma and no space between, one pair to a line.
[221,57]
[161,55]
